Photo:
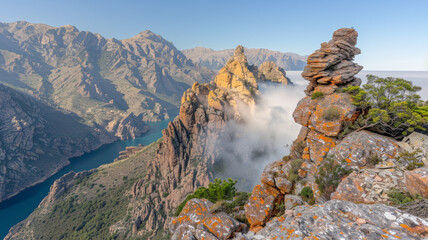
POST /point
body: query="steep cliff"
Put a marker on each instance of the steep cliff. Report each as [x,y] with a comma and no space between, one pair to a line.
[36,140]
[113,84]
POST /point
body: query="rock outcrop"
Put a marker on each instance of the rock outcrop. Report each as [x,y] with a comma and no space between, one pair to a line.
[345,220]
[36,141]
[331,66]
[269,71]
[197,221]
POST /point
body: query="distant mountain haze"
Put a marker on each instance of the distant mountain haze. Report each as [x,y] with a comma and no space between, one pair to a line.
[114,84]
[215,60]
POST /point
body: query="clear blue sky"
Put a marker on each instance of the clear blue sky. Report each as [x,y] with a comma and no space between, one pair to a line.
[393,33]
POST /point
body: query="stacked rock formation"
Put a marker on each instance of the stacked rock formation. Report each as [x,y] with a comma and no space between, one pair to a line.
[187,150]
[331,66]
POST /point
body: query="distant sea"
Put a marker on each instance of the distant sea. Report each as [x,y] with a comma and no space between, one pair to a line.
[419,78]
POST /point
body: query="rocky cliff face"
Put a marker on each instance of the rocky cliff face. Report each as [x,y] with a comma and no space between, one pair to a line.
[215,60]
[37,140]
[293,199]
[110,83]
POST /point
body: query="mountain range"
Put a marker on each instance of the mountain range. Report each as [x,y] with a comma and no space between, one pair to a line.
[215,60]
[109,83]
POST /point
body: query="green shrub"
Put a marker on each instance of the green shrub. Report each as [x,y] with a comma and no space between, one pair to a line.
[280,209]
[409,160]
[331,114]
[165,194]
[398,197]
[216,191]
[293,173]
[307,195]
[329,176]
[316,95]
[388,106]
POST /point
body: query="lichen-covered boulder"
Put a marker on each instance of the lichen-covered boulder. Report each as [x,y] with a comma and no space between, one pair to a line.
[304,109]
[358,147]
[221,225]
[345,220]
[291,201]
[331,112]
[370,186]
[417,181]
[197,220]
[184,232]
[193,213]
[318,146]
[261,205]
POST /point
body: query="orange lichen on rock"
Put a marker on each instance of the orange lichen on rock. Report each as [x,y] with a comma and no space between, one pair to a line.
[261,206]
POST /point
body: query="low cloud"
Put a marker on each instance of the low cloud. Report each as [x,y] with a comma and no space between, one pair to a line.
[262,137]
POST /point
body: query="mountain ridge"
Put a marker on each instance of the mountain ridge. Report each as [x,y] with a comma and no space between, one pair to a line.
[215,59]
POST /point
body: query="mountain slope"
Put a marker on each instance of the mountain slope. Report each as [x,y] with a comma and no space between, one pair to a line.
[105,81]
[215,60]
[36,140]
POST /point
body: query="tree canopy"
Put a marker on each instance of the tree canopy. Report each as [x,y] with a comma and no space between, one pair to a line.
[388,106]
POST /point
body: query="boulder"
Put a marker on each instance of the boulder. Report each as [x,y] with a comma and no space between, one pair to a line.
[261,205]
[345,220]
[305,107]
[184,232]
[221,225]
[291,201]
[417,181]
[370,186]
[331,112]
[357,148]
[193,213]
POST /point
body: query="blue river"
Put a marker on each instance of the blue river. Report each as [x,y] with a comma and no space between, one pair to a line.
[18,208]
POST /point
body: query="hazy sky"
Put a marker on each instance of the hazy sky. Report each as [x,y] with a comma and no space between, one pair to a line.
[393,33]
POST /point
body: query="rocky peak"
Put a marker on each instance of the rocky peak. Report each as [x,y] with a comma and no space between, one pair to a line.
[269,71]
[239,55]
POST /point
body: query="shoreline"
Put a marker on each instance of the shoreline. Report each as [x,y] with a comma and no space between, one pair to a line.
[56,170]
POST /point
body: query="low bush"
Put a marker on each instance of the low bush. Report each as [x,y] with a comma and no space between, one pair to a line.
[216,191]
[409,160]
[293,172]
[307,195]
[316,95]
[331,114]
[398,197]
[329,176]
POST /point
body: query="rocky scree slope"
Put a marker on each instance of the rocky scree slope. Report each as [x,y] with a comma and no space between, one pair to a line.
[182,160]
[312,193]
[215,60]
[113,84]
[36,140]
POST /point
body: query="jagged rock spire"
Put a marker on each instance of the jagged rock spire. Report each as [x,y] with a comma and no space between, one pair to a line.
[239,55]
[332,63]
